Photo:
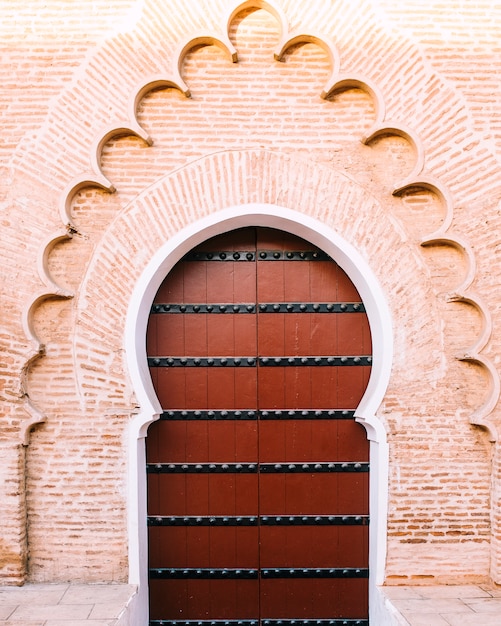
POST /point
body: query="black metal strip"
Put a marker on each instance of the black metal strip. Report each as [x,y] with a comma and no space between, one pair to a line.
[308,468]
[264,361]
[344,621]
[201,468]
[314,520]
[311,307]
[221,255]
[263,307]
[244,414]
[190,361]
[204,308]
[303,414]
[213,520]
[263,520]
[292,255]
[250,414]
[188,573]
[209,622]
[250,468]
[202,573]
[321,572]
[262,255]
[206,622]
[295,361]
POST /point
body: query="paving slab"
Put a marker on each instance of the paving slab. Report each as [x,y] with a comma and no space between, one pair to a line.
[6,610]
[426,619]
[446,605]
[32,594]
[432,605]
[97,594]
[395,593]
[486,605]
[453,591]
[495,592]
[79,622]
[66,604]
[474,619]
[29,622]
[52,611]
[107,611]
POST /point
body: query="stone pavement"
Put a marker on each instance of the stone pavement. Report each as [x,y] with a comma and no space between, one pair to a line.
[66,605]
[454,605]
[107,605]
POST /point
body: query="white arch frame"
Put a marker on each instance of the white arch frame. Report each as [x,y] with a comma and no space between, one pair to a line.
[149,409]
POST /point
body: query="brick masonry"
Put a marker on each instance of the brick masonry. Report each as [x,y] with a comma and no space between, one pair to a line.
[252,131]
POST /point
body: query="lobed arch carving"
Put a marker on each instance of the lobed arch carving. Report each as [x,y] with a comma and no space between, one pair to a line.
[417,179]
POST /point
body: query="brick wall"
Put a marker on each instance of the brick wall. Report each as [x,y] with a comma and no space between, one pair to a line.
[252,131]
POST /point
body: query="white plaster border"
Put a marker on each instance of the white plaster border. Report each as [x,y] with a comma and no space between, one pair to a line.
[379,316]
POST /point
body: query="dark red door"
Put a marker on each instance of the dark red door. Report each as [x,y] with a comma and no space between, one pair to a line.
[259,349]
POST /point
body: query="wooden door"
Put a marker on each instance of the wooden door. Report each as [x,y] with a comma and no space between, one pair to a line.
[259,350]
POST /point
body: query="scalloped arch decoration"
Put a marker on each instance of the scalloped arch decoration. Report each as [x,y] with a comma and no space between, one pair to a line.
[416,179]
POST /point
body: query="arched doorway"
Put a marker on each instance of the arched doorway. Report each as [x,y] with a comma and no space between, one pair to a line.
[260,352]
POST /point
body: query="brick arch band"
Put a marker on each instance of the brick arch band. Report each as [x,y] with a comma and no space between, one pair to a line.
[218,193]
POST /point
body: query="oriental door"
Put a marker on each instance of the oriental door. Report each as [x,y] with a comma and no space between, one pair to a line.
[258,486]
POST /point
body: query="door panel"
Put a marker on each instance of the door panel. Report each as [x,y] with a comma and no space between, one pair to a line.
[313,494]
[259,350]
